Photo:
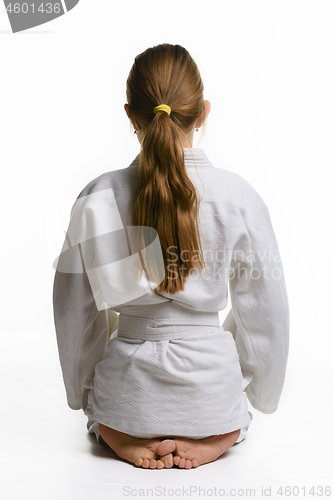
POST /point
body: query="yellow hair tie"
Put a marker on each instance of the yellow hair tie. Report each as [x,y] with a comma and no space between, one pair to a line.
[162,107]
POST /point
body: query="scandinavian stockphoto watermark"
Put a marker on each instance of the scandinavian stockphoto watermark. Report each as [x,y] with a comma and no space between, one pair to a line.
[227,263]
[115,262]
[197,491]
[24,15]
[127,262]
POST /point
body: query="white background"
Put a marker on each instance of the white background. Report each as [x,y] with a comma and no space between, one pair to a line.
[267,70]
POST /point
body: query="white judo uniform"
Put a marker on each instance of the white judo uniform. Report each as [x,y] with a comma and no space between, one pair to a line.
[169,368]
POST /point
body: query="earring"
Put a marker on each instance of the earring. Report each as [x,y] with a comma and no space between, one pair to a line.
[197,130]
[135,131]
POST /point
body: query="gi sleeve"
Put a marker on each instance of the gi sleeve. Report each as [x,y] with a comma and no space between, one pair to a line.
[260,322]
[82,328]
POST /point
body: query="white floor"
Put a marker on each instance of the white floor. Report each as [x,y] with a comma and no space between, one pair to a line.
[47,454]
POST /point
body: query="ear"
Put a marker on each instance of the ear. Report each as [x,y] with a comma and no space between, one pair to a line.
[131,116]
[203,115]
[127,109]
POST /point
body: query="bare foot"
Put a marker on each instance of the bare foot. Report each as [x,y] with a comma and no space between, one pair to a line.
[140,452]
[188,453]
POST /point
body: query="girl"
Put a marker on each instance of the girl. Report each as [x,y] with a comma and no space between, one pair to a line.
[158,242]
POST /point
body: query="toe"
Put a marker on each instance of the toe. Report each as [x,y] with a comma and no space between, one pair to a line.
[145,463]
[152,464]
[167,460]
[138,462]
[188,464]
[176,460]
[159,464]
[165,447]
[182,463]
[195,462]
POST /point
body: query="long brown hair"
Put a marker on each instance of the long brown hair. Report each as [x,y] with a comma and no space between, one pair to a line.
[165,198]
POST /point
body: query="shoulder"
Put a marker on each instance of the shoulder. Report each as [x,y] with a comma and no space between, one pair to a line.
[233,189]
[246,193]
[106,188]
[234,199]
[114,179]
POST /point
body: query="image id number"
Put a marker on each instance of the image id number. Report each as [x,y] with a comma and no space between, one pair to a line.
[24,8]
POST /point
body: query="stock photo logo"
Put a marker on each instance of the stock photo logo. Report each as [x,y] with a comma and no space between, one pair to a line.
[121,263]
[25,15]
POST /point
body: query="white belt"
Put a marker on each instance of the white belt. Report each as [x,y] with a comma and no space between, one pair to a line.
[183,323]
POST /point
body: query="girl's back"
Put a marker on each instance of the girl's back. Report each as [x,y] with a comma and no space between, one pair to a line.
[171,369]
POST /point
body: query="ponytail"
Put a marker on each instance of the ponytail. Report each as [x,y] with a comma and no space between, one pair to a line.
[165,198]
